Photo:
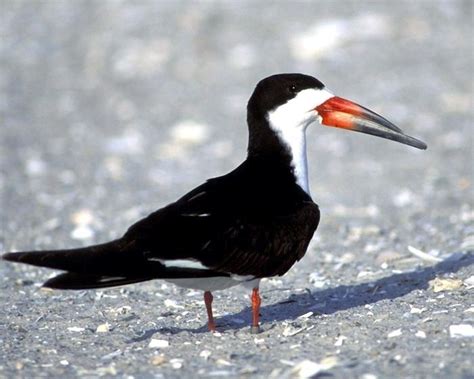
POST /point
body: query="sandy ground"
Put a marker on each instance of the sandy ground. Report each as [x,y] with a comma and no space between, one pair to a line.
[112,109]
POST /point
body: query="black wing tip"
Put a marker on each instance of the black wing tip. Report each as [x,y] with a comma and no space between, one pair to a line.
[77,281]
[64,281]
[52,284]
[27,257]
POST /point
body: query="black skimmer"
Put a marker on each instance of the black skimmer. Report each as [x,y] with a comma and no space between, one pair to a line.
[255,222]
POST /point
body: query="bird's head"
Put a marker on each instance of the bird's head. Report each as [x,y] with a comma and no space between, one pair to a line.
[291,102]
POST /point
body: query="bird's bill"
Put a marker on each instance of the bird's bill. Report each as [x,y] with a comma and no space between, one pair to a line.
[345,114]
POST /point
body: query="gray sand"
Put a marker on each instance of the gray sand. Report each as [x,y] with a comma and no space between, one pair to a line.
[113,109]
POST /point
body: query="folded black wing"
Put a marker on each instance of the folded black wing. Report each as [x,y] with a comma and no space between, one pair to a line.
[228,226]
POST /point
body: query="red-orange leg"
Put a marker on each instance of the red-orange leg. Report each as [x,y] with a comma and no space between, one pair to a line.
[256,301]
[208,301]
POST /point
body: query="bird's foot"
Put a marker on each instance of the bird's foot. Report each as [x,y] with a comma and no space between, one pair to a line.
[255,329]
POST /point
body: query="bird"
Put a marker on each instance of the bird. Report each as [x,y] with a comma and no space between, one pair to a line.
[254,222]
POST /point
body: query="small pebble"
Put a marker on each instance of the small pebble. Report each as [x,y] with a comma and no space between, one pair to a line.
[157,360]
[317,280]
[223,362]
[205,354]
[122,310]
[35,167]
[176,363]
[422,255]
[290,331]
[329,362]
[189,132]
[415,310]
[403,198]
[440,285]
[306,369]
[82,232]
[75,329]
[340,340]
[103,328]
[306,315]
[461,330]
[158,344]
[395,333]
[82,217]
[420,334]
[368,376]
[172,304]
[469,282]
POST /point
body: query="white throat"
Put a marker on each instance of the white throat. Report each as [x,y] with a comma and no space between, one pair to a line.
[290,121]
[295,141]
[300,162]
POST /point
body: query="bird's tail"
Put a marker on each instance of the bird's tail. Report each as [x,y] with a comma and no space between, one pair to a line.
[98,266]
[90,259]
[109,264]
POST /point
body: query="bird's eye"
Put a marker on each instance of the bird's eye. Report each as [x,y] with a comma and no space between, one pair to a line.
[292,88]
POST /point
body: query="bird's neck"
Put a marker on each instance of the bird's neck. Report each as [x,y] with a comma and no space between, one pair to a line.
[297,146]
[284,149]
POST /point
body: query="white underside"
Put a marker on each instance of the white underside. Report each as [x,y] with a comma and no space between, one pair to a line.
[205,284]
[215,283]
[181,263]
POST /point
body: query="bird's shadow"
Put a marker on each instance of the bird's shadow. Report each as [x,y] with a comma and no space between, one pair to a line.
[334,299]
